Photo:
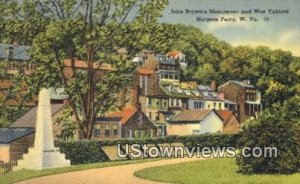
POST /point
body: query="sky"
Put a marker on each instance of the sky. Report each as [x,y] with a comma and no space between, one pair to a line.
[280,31]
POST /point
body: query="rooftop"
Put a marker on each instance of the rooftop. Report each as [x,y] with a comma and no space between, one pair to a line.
[19,52]
[240,83]
[7,135]
[28,120]
[225,114]
[191,115]
[125,114]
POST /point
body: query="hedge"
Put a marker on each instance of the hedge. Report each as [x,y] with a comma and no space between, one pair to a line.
[81,152]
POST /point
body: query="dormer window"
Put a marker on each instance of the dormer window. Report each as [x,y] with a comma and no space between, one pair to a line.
[10,52]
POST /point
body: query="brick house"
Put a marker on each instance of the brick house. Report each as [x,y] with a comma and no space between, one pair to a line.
[135,124]
[245,95]
[231,123]
[14,142]
[107,128]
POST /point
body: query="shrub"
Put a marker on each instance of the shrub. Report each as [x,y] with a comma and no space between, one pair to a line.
[81,152]
[276,127]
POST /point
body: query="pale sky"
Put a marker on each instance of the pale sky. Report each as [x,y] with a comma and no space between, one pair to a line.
[281,31]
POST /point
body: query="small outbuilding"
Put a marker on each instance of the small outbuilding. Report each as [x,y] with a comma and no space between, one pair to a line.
[14,142]
[195,122]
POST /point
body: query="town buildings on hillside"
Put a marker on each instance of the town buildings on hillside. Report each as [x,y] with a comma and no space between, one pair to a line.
[156,97]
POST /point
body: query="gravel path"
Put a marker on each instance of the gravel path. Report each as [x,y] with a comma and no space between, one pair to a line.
[108,175]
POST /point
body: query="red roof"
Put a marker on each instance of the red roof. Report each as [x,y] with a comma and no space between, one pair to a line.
[125,114]
[173,53]
[225,114]
[145,71]
[84,64]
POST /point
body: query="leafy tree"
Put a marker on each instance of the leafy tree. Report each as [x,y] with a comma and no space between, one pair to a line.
[277,127]
[8,114]
[90,30]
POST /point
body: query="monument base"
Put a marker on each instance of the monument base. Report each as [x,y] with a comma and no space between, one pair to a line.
[45,159]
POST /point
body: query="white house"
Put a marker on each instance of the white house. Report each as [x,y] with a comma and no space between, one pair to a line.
[194,122]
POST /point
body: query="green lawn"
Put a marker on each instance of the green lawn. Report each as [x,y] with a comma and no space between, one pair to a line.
[221,170]
[23,174]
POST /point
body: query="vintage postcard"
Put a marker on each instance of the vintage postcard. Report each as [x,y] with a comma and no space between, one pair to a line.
[149,91]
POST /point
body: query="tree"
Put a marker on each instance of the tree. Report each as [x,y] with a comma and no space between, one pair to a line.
[278,127]
[90,30]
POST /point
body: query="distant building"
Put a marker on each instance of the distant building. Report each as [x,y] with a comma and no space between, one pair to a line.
[195,122]
[15,58]
[245,95]
[134,124]
[107,128]
[28,120]
[231,123]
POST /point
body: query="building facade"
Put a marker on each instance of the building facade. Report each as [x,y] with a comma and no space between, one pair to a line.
[245,95]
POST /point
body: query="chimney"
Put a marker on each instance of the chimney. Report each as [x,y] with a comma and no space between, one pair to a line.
[15,44]
[213,85]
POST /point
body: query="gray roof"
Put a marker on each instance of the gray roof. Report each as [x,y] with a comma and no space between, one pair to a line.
[19,51]
[229,101]
[28,120]
[106,119]
[204,88]
[240,83]
[8,135]
[57,94]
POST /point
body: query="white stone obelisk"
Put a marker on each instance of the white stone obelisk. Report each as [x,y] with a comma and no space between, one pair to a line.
[43,155]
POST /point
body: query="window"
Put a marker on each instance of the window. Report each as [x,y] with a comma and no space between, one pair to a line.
[176,77]
[215,104]
[150,115]
[115,130]
[138,134]
[208,106]
[149,101]
[96,132]
[196,132]
[220,106]
[165,103]
[157,116]
[129,134]
[150,133]
[106,131]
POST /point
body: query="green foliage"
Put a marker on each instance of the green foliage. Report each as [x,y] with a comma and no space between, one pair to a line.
[83,152]
[9,114]
[274,72]
[80,152]
[277,127]
[210,140]
[92,31]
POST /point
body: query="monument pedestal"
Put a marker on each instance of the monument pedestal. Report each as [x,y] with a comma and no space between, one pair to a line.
[43,155]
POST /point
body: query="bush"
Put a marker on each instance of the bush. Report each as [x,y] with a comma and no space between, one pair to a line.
[81,152]
[276,127]
[210,140]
